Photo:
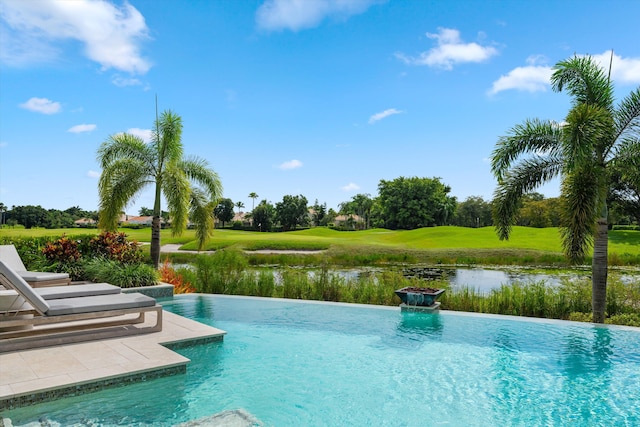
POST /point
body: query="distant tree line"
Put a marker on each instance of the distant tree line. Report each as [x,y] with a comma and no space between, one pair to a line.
[30,216]
[402,203]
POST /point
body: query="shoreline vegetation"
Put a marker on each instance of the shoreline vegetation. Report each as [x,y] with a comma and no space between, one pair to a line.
[227,270]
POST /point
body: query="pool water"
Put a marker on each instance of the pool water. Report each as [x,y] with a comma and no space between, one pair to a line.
[293,363]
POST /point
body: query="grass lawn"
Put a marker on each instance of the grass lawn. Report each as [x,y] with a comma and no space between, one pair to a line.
[434,244]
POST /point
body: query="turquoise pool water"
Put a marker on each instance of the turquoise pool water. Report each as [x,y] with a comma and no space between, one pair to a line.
[292,363]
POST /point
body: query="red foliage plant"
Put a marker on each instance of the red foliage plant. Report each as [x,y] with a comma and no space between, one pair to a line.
[169,275]
[115,246]
[62,250]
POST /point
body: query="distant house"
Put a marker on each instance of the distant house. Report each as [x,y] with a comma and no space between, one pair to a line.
[348,221]
[140,221]
[343,219]
[85,222]
[237,217]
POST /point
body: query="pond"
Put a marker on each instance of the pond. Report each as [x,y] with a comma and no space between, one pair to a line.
[483,279]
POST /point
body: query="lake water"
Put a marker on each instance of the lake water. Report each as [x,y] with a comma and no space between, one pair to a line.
[485,279]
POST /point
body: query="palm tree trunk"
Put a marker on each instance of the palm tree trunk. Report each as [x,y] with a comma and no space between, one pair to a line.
[155,226]
[599,271]
[155,241]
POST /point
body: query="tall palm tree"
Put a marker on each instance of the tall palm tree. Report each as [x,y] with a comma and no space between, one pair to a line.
[129,165]
[239,205]
[253,196]
[581,151]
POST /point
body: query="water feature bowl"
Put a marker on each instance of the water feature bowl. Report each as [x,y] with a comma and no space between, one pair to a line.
[423,297]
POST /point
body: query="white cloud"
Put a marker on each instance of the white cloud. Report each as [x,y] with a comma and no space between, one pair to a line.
[350,187]
[291,164]
[93,174]
[36,30]
[623,70]
[533,77]
[41,105]
[450,51]
[296,15]
[143,134]
[81,128]
[120,81]
[386,113]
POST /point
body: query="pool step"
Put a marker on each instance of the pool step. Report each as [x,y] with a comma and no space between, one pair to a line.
[233,418]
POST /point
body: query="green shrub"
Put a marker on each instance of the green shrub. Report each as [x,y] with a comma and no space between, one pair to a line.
[119,274]
[219,272]
[628,319]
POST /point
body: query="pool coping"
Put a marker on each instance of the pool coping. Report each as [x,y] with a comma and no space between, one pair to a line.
[50,373]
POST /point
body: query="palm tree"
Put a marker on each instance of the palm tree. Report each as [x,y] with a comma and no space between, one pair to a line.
[253,196]
[581,152]
[239,205]
[129,165]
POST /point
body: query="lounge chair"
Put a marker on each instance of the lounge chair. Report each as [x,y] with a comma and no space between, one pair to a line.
[75,291]
[10,256]
[74,319]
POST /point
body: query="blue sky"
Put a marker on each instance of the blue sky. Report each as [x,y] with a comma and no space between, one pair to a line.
[312,97]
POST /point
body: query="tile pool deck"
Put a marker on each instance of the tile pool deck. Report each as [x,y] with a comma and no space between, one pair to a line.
[48,373]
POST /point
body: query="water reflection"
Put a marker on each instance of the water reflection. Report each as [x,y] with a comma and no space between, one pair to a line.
[587,351]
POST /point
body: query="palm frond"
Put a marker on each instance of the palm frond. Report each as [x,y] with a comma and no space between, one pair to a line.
[627,116]
[533,136]
[177,190]
[522,178]
[585,80]
[168,137]
[124,146]
[581,201]
[587,135]
[197,170]
[119,182]
[201,214]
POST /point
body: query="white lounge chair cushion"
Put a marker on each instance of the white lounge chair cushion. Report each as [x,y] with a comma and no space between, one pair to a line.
[41,276]
[58,307]
[75,291]
[9,255]
[23,288]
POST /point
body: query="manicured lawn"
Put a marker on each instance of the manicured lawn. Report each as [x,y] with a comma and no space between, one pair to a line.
[460,239]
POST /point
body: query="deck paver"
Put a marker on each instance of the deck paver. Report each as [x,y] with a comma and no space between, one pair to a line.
[44,369]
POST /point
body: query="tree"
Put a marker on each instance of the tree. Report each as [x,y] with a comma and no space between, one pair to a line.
[581,151]
[145,211]
[362,204]
[263,216]
[292,211]
[253,196]
[473,212]
[239,205]
[319,214]
[29,216]
[129,165]
[409,203]
[625,190]
[224,210]
[3,209]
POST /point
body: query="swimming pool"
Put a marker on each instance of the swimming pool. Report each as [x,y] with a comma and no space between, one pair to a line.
[293,363]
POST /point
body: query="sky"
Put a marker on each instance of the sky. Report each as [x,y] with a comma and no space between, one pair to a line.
[322,98]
